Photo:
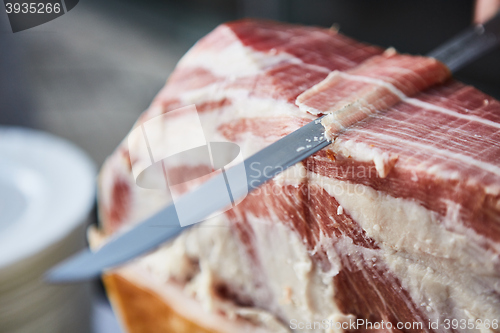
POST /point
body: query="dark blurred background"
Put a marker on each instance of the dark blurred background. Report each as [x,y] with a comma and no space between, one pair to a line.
[87,75]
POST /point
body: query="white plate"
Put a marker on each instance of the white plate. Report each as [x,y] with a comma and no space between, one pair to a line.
[47,187]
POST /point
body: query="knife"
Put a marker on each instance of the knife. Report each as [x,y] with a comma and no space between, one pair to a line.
[261,167]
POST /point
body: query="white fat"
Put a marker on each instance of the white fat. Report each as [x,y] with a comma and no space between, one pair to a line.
[235,58]
[444,271]
[379,82]
[206,254]
[201,258]
[471,118]
[294,175]
[243,105]
[339,318]
[253,320]
[362,152]
[436,168]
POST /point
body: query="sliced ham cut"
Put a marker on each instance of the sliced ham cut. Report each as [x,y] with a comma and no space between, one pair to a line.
[394,227]
[375,85]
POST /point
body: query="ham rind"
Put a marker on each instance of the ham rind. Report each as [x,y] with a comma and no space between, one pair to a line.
[397,221]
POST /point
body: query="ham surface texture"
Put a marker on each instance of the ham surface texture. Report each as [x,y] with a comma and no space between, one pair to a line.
[394,227]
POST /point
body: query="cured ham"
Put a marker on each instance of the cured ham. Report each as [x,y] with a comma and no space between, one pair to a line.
[394,227]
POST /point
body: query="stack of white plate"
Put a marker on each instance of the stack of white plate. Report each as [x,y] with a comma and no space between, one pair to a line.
[46,192]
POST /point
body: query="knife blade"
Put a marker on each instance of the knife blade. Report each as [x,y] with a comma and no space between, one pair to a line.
[164,225]
[260,167]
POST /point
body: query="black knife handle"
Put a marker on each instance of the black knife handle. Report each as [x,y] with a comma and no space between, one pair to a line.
[469,45]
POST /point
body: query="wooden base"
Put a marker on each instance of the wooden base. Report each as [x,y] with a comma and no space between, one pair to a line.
[142,311]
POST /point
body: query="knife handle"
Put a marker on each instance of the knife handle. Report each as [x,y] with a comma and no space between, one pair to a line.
[469,45]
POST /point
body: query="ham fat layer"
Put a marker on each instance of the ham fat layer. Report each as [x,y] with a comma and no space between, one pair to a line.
[398,220]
